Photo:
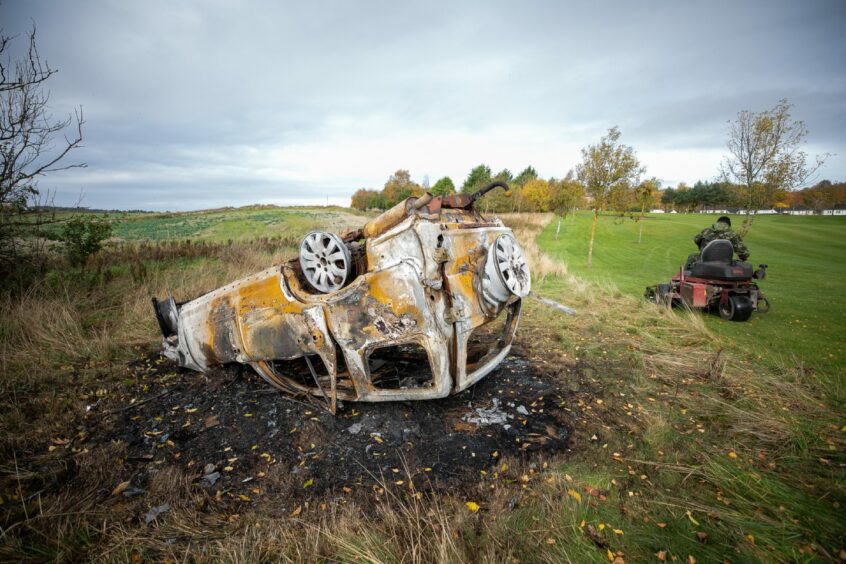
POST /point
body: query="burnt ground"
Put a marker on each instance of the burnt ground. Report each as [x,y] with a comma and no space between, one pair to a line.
[237,438]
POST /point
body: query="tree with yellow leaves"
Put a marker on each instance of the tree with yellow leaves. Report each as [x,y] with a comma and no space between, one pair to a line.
[607,168]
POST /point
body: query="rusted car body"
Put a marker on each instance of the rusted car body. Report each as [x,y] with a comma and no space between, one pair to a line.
[428,272]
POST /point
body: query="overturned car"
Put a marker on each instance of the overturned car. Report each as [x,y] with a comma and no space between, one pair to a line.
[427,273]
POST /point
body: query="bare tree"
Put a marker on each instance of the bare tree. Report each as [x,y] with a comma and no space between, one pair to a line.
[765,158]
[32,142]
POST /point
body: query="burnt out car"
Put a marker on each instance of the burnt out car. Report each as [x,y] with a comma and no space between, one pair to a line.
[423,275]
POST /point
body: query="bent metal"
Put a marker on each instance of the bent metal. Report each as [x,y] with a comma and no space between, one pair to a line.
[427,272]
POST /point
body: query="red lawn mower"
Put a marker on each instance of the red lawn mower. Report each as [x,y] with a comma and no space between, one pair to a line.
[715,281]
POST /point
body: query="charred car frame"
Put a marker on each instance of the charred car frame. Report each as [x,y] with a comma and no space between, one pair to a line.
[427,272]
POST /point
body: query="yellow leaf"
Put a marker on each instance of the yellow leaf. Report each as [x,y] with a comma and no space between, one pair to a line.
[243,497]
[472,506]
[248,415]
[120,487]
[601,526]
[750,538]
[550,541]
[228,468]
[190,409]
[692,520]
[661,525]
[610,555]
[308,483]
[574,494]
[618,531]
[732,454]
[297,511]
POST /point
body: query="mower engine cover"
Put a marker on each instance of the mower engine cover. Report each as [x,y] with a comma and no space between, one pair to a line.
[427,272]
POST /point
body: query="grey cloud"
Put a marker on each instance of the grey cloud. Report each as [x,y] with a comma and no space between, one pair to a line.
[193,85]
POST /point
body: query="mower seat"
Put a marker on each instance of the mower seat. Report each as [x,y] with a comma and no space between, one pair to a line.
[732,271]
[718,250]
[716,263]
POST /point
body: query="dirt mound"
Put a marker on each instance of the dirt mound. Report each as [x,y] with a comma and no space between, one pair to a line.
[235,435]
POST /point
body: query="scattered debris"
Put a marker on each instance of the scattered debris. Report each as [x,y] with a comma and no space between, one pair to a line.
[487,416]
[445,445]
[154,512]
[552,303]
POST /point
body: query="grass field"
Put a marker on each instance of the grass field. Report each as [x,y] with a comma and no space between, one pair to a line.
[225,224]
[685,446]
[806,280]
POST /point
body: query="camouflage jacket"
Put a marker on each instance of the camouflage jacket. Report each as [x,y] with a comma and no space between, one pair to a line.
[722,231]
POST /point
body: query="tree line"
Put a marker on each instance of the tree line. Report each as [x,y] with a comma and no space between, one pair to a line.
[528,193]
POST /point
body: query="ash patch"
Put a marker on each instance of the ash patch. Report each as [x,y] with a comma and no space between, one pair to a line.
[238,438]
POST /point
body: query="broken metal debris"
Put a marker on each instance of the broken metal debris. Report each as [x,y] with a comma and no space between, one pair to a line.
[424,274]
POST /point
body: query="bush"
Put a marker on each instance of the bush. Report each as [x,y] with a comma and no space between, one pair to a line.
[83,237]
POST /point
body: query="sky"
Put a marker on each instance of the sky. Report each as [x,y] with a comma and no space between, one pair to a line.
[200,104]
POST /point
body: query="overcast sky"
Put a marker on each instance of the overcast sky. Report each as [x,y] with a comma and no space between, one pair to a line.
[192,105]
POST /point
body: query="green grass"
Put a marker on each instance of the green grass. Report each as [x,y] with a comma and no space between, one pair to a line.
[218,225]
[697,452]
[806,279]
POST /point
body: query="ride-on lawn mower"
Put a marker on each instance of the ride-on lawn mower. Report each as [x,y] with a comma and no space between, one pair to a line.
[715,280]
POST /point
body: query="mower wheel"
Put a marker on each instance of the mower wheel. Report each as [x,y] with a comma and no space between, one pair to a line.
[737,308]
[660,294]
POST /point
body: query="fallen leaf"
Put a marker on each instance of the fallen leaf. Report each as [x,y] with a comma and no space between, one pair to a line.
[211,421]
[692,520]
[550,541]
[308,483]
[574,494]
[732,454]
[593,492]
[661,525]
[596,537]
[690,559]
[472,506]
[243,497]
[618,531]
[661,555]
[610,556]
[701,537]
[120,487]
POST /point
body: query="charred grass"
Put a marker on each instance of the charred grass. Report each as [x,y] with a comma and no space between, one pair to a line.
[683,447]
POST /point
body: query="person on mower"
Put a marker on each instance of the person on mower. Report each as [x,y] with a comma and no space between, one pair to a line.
[720,230]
